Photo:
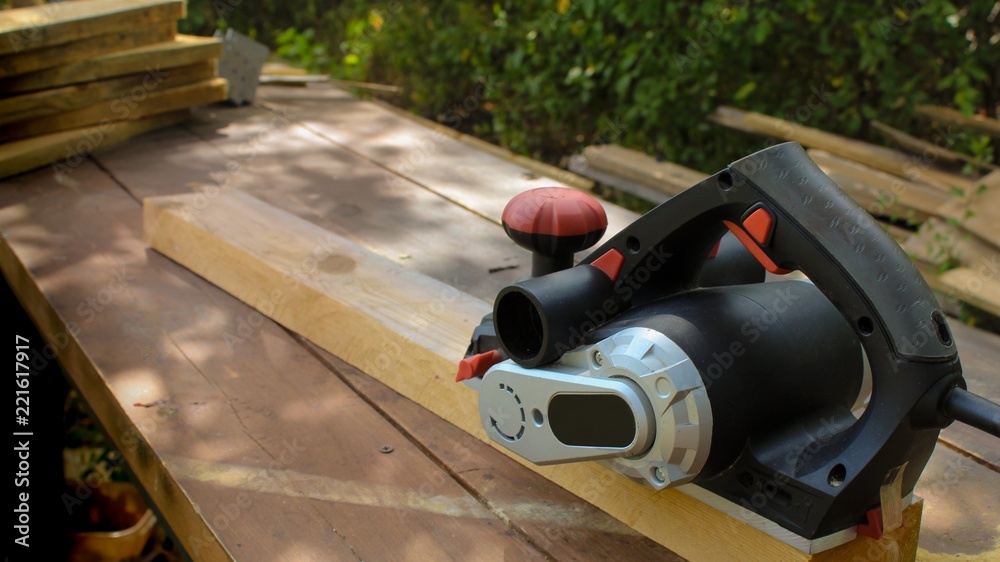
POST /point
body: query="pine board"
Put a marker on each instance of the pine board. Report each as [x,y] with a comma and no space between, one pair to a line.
[47,25]
[180,51]
[408,330]
[126,37]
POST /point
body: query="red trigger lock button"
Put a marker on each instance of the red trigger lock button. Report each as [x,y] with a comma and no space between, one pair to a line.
[476,365]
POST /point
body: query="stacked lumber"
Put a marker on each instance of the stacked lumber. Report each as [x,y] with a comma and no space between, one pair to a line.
[955,216]
[78,76]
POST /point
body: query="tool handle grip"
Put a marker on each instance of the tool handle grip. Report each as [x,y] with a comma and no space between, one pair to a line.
[848,255]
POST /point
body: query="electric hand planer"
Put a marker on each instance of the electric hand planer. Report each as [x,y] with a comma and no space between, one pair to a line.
[811,403]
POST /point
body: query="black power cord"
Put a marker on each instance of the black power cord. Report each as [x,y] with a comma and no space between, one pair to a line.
[972,409]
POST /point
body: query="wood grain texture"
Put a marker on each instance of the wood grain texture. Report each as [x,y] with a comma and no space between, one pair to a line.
[431,158]
[252,448]
[47,25]
[54,101]
[881,158]
[406,331]
[949,116]
[665,178]
[920,147]
[73,145]
[125,37]
[180,51]
[151,98]
[345,194]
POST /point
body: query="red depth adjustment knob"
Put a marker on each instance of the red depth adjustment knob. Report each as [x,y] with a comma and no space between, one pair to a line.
[554,223]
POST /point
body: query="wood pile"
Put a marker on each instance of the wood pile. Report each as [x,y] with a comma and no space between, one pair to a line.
[948,221]
[78,76]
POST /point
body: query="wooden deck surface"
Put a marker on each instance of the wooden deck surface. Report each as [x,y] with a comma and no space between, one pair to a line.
[257,445]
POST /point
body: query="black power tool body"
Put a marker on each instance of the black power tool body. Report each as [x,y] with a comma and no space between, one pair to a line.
[666,356]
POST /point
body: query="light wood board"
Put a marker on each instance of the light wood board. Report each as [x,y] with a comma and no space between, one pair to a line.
[129,107]
[182,50]
[950,116]
[128,37]
[362,308]
[57,100]
[75,144]
[47,25]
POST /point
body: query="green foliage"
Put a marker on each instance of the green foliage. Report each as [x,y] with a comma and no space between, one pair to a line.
[546,78]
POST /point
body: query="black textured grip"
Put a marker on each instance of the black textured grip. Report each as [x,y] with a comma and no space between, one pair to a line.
[846,253]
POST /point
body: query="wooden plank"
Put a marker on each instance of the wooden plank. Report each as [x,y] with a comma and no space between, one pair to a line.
[345,194]
[181,51]
[360,307]
[163,162]
[663,179]
[566,529]
[882,194]
[149,101]
[432,158]
[974,287]
[920,147]
[878,157]
[940,243]
[980,213]
[254,451]
[57,100]
[60,23]
[949,116]
[538,168]
[28,154]
[128,37]
[960,505]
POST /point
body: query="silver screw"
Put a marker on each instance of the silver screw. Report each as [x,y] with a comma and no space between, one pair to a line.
[659,475]
[598,358]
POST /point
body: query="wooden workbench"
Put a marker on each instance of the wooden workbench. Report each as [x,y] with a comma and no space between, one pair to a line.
[253,443]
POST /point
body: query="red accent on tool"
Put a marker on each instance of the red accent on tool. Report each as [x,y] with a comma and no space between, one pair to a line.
[610,263]
[873,528]
[556,211]
[715,249]
[758,253]
[759,224]
[477,365]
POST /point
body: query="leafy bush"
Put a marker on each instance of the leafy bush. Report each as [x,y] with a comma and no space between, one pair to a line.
[546,78]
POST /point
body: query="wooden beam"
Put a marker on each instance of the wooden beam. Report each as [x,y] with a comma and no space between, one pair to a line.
[58,100]
[661,180]
[949,116]
[128,37]
[408,331]
[28,154]
[150,102]
[878,157]
[180,51]
[920,147]
[59,23]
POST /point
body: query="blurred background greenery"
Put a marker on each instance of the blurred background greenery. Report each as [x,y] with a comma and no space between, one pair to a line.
[545,78]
